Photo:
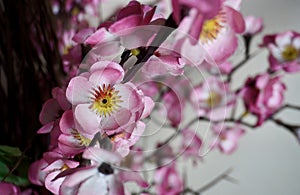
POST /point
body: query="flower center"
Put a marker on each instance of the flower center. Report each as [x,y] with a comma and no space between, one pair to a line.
[105,100]
[290,53]
[211,28]
[83,141]
[214,99]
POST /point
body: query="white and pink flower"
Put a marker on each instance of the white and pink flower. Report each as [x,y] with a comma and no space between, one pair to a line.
[212,99]
[263,95]
[284,51]
[227,137]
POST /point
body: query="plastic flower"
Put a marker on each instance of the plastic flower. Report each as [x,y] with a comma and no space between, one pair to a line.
[190,144]
[101,102]
[51,113]
[284,51]
[101,176]
[263,95]
[227,137]
[71,140]
[167,180]
[212,99]
[218,35]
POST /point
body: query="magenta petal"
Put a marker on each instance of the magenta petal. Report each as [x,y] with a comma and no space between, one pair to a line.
[82,35]
[235,19]
[98,37]
[149,105]
[67,122]
[126,23]
[46,128]
[53,186]
[79,176]
[49,111]
[130,97]
[87,119]
[122,118]
[79,90]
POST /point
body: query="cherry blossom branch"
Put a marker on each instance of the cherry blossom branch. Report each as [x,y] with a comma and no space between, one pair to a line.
[240,64]
[223,176]
[146,54]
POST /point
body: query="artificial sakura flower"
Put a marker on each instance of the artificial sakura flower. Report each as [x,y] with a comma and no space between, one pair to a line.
[284,51]
[102,103]
[190,144]
[71,140]
[51,114]
[101,177]
[263,95]
[203,9]
[253,26]
[212,99]
[218,35]
[227,137]
[167,180]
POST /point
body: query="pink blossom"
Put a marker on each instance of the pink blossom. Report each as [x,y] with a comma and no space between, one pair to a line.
[284,51]
[51,113]
[9,189]
[35,173]
[263,95]
[71,141]
[203,9]
[167,180]
[101,176]
[227,137]
[212,99]
[102,103]
[190,144]
[52,170]
[254,25]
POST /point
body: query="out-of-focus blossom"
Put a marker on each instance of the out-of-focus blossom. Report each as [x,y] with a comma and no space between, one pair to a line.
[190,144]
[167,180]
[254,25]
[212,99]
[227,137]
[284,51]
[174,107]
[9,189]
[263,95]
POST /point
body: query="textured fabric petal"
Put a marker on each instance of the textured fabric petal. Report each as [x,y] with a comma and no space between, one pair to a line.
[87,119]
[79,90]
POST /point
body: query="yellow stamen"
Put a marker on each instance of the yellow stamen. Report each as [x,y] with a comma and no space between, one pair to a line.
[135,52]
[290,53]
[211,28]
[83,141]
[105,101]
[214,99]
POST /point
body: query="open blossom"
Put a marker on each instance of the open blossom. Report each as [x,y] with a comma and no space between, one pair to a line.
[212,99]
[263,95]
[227,137]
[101,176]
[167,180]
[284,51]
[101,102]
